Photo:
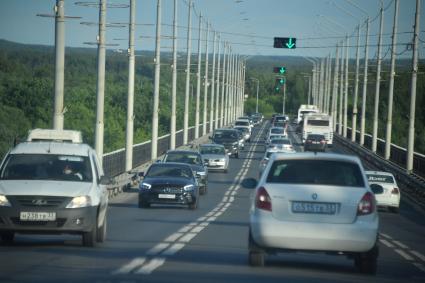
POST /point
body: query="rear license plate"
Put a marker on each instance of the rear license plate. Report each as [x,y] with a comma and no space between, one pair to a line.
[37,216]
[314,207]
[167,196]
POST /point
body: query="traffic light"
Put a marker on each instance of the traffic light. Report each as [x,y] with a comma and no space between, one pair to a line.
[280,81]
[285,42]
[280,70]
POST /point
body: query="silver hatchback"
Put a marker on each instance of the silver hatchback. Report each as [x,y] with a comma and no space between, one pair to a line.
[314,202]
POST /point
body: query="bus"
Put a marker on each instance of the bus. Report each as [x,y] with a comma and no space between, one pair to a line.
[305,109]
[318,123]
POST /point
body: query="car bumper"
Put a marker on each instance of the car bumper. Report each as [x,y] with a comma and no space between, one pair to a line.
[392,201]
[155,198]
[68,220]
[217,166]
[272,234]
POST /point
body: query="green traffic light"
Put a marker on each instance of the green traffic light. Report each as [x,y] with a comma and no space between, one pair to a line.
[282,70]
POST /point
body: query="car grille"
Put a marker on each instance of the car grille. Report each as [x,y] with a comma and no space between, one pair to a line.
[167,189]
[41,201]
[53,224]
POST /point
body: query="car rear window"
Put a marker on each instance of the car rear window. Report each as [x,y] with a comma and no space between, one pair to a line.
[318,122]
[380,178]
[277,131]
[169,171]
[318,172]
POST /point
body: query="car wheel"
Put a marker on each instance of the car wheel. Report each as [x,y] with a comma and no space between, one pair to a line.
[256,254]
[7,237]
[367,262]
[394,209]
[101,232]
[144,204]
[89,238]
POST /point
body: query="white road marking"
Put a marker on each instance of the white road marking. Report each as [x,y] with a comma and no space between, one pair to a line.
[219,213]
[185,229]
[231,199]
[205,224]
[209,214]
[386,236]
[173,249]
[225,199]
[187,237]
[404,255]
[420,266]
[401,245]
[151,266]
[127,268]
[419,255]
[158,248]
[197,229]
[385,242]
[174,237]
[211,219]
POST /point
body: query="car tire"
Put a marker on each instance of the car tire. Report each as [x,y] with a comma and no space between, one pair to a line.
[394,209]
[7,237]
[367,262]
[101,232]
[144,204]
[89,238]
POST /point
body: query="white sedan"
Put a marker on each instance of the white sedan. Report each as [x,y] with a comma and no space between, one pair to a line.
[314,203]
[390,196]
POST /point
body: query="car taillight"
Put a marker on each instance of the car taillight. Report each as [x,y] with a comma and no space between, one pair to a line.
[395,191]
[308,141]
[262,200]
[322,141]
[366,204]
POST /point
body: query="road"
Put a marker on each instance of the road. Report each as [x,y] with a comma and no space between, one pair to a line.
[175,244]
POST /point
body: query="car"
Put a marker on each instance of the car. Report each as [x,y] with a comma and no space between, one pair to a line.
[269,152]
[194,159]
[230,138]
[246,132]
[314,202]
[215,156]
[53,183]
[315,142]
[281,143]
[390,196]
[169,183]
[275,131]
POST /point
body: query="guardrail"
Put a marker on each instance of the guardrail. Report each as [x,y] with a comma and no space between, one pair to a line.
[413,184]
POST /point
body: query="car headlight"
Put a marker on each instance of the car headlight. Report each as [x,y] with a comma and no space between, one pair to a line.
[81,201]
[4,201]
[189,187]
[145,186]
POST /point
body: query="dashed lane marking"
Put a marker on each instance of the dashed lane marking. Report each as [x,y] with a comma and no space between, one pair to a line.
[405,255]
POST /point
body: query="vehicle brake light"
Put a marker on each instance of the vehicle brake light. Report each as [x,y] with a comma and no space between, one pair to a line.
[395,191]
[322,141]
[262,200]
[366,204]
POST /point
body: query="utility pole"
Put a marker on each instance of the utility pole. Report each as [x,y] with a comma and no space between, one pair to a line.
[130,95]
[391,85]
[223,88]
[335,89]
[174,82]
[346,89]
[378,81]
[366,52]
[198,79]
[284,97]
[204,125]
[411,135]
[341,90]
[213,84]
[154,145]
[188,70]
[100,88]
[59,64]
[356,89]
[322,73]
[217,104]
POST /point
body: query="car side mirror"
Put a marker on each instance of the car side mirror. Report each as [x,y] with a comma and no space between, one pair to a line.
[141,174]
[105,180]
[249,183]
[376,189]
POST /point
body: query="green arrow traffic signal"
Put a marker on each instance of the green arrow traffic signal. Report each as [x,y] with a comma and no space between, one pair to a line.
[280,70]
[285,42]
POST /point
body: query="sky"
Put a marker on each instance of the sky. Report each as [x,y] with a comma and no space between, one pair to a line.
[249,26]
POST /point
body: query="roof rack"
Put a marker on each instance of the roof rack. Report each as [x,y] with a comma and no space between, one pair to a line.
[55,135]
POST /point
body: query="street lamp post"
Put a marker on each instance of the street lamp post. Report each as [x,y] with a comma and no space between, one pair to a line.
[256,105]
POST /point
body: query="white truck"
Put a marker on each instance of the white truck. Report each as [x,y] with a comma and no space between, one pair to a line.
[318,123]
[306,109]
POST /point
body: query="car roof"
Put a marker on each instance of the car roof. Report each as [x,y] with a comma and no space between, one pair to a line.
[52,147]
[318,156]
[183,151]
[211,145]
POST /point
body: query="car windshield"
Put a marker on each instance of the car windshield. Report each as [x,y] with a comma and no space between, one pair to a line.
[47,167]
[315,137]
[169,171]
[380,178]
[212,150]
[226,135]
[183,157]
[318,172]
[318,122]
[277,131]
[276,137]
[241,123]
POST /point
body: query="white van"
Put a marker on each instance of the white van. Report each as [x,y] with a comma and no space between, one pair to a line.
[53,184]
[318,123]
[306,109]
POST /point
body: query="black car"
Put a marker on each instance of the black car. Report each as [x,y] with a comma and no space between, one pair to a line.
[194,159]
[315,142]
[169,183]
[230,138]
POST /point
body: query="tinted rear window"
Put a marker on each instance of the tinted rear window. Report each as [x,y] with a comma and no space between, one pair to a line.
[318,122]
[318,172]
[277,131]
